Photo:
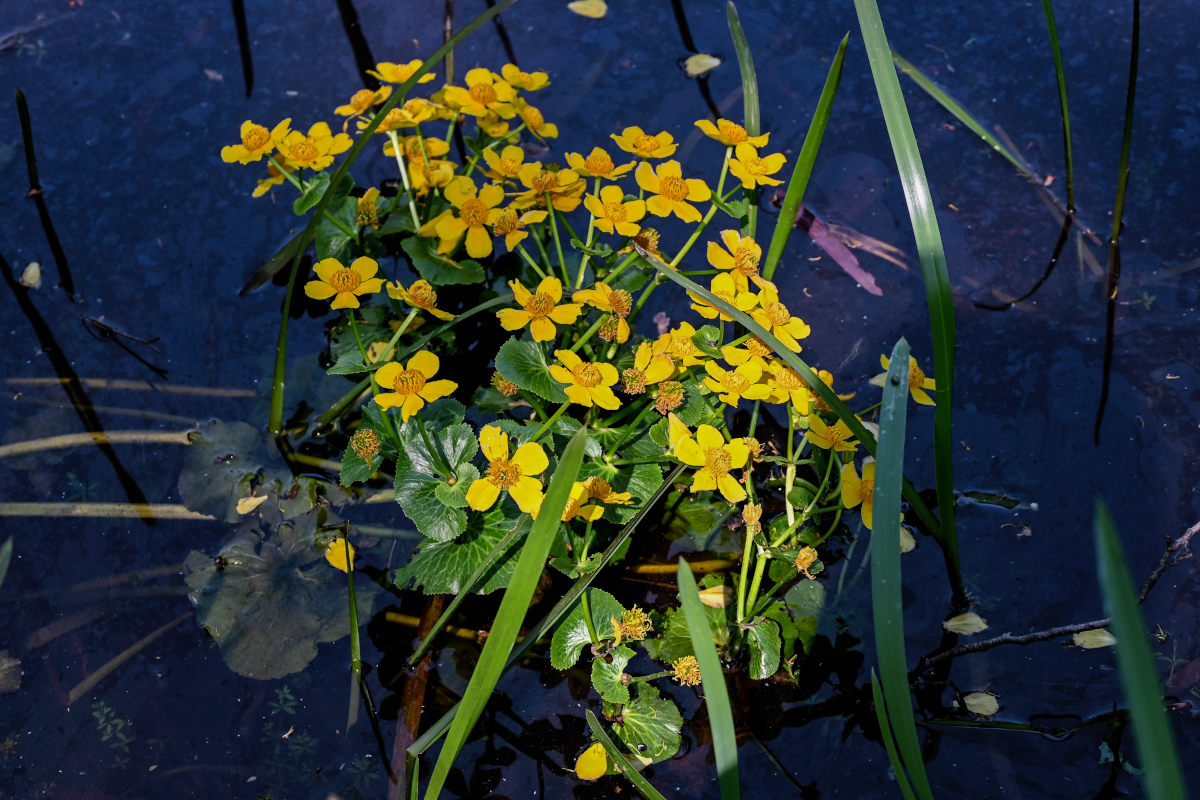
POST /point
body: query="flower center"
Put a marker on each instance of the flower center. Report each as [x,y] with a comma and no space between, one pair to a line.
[867,491]
[483,94]
[755,166]
[545,182]
[506,223]
[758,347]
[256,138]
[598,164]
[503,473]
[474,213]
[621,302]
[680,347]
[533,117]
[410,381]
[915,376]
[718,461]
[423,295]
[361,100]
[788,380]
[345,280]
[777,312]
[614,212]
[735,133]
[633,381]
[645,144]
[508,168]
[597,488]
[673,188]
[539,305]
[735,383]
[587,375]
[302,151]
[836,435]
[745,261]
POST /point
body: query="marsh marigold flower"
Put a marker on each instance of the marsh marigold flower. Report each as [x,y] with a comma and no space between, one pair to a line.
[361,102]
[857,490]
[274,178]
[510,223]
[256,143]
[503,385]
[753,349]
[399,73]
[563,186]
[484,92]
[473,215]
[730,133]
[368,209]
[917,382]
[587,383]
[837,437]
[687,671]
[616,302]
[776,318]
[540,310]
[600,489]
[517,476]
[340,554]
[677,343]
[420,295]
[534,121]
[715,457]
[671,192]
[314,150]
[613,213]
[671,395]
[647,370]
[578,506]
[725,287]
[637,141]
[787,385]
[410,387]
[598,164]
[754,170]
[734,385]
[740,257]
[528,81]
[365,444]
[505,165]
[344,284]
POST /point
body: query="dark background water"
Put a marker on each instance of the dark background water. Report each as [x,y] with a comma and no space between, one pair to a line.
[131,103]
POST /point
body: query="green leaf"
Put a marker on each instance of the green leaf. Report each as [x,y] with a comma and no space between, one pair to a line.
[455,494]
[447,567]
[372,327]
[806,602]
[640,480]
[696,408]
[698,518]
[312,193]
[355,470]
[619,758]
[676,641]
[350,363]
[650,725]
[455,443]
[708,340]
[606,676]
[437,268]
[511,613]
[763,638]
[572,634]
[523,362]
[417,494]
[331,241]
[736,209]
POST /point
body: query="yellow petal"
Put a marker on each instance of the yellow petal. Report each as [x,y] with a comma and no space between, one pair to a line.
[592,9]
[700,63]
[482,494]
[492,441]
[531,459]
[336,554]
[592,763]
[528,494]
[423,362]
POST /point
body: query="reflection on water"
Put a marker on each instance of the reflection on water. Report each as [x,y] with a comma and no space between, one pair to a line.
[159,237]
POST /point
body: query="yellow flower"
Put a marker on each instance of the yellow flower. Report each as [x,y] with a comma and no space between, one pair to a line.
[314,150]
[510,223]
[257,143]
[599,489]
[411,387]
[776,318]
[414,111]
[677,343]
[361,101]
[635,140]
[534,121]
[274,177]
[725,287]
[335,554]
[505,165]
[473,217]
[399,73]
[368,208]
[754,350]
[753,170]
[344,284]
[564,187]
[786,384]
[838,437]
[418,148]
[687,671]
[827,378]
[647,370]
[740,256]
[715,457]
[484,92]
[598,164]
[539,310]
[420,295]
[742,382]
[611,212]
[586,382]
[617,302]
[577,505]
[730,133]
[529,81]
[855,490]
[516,475]
[670,191]
[917,382]
[433,174]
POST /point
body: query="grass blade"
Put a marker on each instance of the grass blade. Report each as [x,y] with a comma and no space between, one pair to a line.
[889,741]
[628,770]
[712,678]
[801,173]
[512,611]
[1136,666]
[1061,78]
[5,558]
[886,603]
[938,292]
[752,121]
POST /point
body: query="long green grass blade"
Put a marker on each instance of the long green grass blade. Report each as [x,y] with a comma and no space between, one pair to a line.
[275,415]
[957,111]
[6,550]
[889,741]
[1136,666]
[512,611]
[938,292]
[886,603]
[795,362]
[1061,79]
[801,173]
[751,111]
[1127,133]
[628,770]
[712,678]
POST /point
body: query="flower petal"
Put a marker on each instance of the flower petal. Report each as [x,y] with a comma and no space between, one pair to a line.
[528,494]
[494,442]
[531,459]
[482,494]
[423,362]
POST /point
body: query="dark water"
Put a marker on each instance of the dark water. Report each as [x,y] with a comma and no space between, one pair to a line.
[131,103]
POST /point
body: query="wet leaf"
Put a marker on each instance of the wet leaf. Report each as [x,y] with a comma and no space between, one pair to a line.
[592,9]
[606,677]
[985,704]
[417,494]
[225,464]
[764,641]
[523,362]
[966,624]
[572,634]
[650,725]
[699,64]
[592,763]
[1097,637]
[445,567]
[676,642]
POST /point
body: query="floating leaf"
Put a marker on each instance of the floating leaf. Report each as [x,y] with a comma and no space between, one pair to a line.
[31,276]
[592,9]
[966,624]
[607,677]
[1096,637]
[523,362]
[572,634]
[700,63]
[226,464]
[985,704]
[650,725]
[592,763]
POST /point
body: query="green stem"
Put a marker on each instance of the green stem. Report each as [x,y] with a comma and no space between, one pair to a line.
[652,677]
[386,354]
[746,554]
[591,233]
[412,207]
[587,618]
[712,211]
[588,334]
[562,262]
[612,276]
[630,429]
[442,466]
[546,425]
[529,260]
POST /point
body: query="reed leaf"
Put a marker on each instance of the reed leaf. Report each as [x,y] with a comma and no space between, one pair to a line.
[938,294]
[886,603]
[752,119]
[6,551]
[627,769]
[802,171]
[889,741]
[1136,666]
[511,613]
[1061,79]
[712,678]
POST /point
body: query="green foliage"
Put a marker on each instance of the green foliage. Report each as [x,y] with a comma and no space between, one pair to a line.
[446,567]
[606,675]
[572,634]
[649,725]
[762,636]
[438,269]
[523,362]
